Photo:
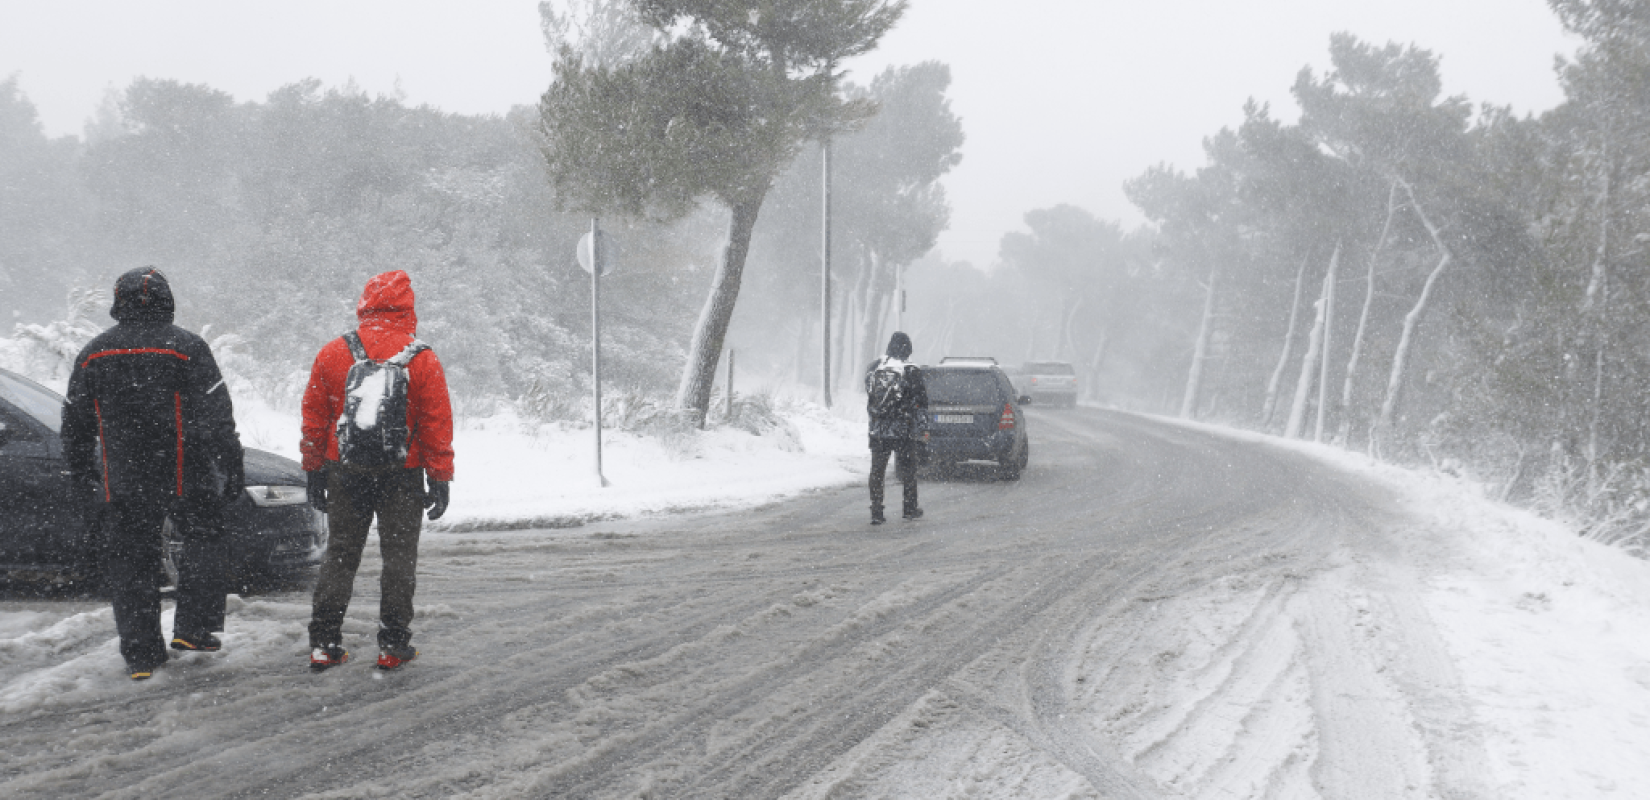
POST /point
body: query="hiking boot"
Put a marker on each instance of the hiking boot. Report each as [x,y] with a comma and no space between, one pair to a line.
[196,642]
[327,656]
[915,513]
[876,516]
[394,657]
[143,670]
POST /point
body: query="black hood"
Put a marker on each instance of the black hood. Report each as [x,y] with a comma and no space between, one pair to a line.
[899,346]
[142,295]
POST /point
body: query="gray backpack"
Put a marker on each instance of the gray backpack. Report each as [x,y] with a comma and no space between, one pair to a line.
[885,391]
[372,432]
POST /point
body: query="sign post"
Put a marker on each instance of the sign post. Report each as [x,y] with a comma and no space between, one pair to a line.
[825,275]
[593,257]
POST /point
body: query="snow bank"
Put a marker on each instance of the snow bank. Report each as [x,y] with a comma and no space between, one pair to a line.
[513,473]
[1550,633]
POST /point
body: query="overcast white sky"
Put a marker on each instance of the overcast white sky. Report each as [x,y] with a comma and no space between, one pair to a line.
[1062,100]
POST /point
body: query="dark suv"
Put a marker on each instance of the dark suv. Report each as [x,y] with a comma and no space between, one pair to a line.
[974,415]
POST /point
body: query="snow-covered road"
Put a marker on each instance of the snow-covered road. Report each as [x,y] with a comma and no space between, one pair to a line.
[1151,611]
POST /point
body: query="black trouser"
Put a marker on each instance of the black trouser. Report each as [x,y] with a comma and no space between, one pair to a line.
[354,497]
[905,466]
[133,571]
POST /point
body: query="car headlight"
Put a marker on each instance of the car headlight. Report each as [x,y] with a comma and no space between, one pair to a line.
[277,495]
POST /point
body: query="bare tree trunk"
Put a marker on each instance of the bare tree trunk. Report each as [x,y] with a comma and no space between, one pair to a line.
[864,289]
[1200,349]
[1345,432]
[1092,384]
[948,332]
[709,334]
[876,308]
[804,341]
[1593,449]
[846,353]
[1311,361]
[1400,359]
[1328,345]
[1598,294]
[1068,347]
[1601,254]
[1270,407]
[1031,338]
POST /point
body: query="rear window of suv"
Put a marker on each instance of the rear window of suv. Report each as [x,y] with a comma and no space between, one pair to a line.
[1049,368]
[974,387]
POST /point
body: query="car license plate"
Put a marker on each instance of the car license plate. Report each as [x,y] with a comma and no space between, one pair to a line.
[954,419]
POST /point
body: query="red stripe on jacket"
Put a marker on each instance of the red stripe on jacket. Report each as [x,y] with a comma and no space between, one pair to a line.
[103,450]
[136,351]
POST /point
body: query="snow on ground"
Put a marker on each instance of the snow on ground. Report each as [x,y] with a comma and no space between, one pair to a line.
[1550,633]
[513,473]
[509,473]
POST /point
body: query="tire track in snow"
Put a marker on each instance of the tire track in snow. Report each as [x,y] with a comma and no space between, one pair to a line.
[793,651]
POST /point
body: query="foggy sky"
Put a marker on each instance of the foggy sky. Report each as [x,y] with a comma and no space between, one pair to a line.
[1061,100]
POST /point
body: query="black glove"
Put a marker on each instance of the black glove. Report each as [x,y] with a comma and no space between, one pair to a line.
[234,483]
[317,489]
[436,498]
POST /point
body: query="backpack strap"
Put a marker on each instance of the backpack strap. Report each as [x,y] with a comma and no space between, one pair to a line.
[407,354]
[356,348]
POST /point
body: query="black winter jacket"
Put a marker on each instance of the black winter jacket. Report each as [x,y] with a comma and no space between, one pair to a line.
[151,395]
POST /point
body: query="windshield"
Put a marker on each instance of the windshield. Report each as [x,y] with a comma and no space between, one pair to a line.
[1049,368]
[35,400]
[961,388]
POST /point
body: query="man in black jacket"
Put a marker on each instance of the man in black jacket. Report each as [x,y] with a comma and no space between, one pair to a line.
[148,428]
[897,404]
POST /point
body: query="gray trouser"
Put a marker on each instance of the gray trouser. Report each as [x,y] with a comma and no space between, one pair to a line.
[354,497]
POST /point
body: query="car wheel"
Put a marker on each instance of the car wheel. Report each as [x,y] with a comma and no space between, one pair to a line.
[1009,468]
[171,551]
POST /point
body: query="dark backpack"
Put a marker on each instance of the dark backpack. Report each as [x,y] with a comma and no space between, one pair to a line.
[886,389]
[372,432]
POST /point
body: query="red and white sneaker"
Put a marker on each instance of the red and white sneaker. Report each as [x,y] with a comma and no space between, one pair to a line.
[394,657]
[327,656]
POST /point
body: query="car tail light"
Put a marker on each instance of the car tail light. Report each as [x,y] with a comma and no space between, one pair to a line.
[1033,381]
[1006,421]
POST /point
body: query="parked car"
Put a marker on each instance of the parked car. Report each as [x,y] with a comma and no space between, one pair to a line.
[974,415]
[1050,382]
[274,533]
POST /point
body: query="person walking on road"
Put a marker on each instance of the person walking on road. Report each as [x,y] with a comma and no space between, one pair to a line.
[897,404]
[378,424]
[149,429]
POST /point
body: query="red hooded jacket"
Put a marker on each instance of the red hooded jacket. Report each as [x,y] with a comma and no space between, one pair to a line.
[387,326]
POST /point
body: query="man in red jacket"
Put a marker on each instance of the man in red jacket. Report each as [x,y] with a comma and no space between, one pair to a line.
[353,489]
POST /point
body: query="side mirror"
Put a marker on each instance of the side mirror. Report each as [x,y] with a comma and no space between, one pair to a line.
[1024,400]
[6,433]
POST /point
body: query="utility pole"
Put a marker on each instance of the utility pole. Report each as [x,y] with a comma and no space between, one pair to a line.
[825,276]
